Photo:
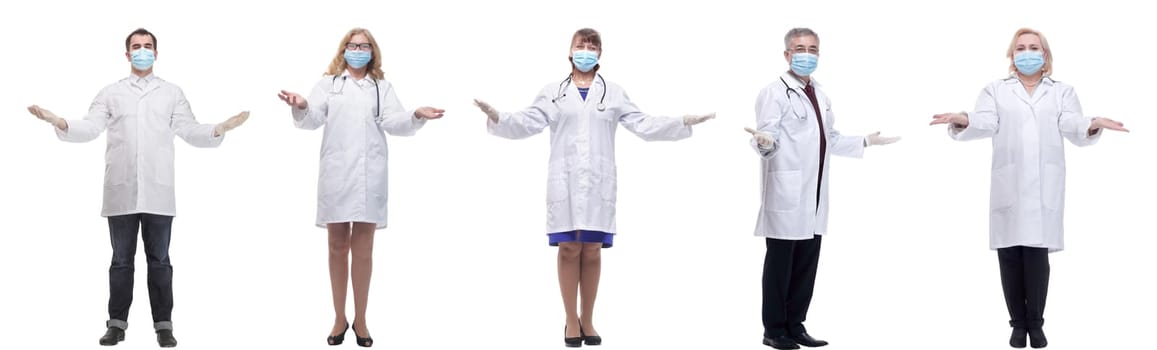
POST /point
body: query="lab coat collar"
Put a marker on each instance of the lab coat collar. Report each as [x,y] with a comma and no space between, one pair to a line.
[346,73]
[796,83]
[145,84]
[147,78]
[1012,79]
[1021,92]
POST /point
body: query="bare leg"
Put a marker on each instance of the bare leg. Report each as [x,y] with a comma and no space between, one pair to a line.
[363,264]
[339,249]
[568,282]
[592,262]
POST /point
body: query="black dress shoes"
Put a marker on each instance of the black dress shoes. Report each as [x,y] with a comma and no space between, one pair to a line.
[1019,338]
[165,338]
[782,342]
[807,340]
[1036,338]
[591,339]
[112,336]
[572,342]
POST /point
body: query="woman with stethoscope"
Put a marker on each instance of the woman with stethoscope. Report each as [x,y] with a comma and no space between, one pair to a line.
[1027,115]
[583,111]
[355,104]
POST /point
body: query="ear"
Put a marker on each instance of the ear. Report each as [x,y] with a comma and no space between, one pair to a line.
[787,56]
[128,56]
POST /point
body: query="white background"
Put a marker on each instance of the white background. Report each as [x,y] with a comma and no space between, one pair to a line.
[465,264]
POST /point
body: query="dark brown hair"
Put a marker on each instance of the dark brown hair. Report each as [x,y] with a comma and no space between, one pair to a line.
[588,35]
[140,31]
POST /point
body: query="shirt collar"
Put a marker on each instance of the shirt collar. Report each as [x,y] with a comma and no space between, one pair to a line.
[796,83]
[1012,79]
[346,74]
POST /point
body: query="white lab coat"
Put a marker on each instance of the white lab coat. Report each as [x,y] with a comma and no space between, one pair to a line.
[141,115]
[352,184]
[790,170]
[581,178]
[1027,194]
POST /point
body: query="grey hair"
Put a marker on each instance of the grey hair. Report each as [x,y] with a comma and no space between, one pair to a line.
[798,32]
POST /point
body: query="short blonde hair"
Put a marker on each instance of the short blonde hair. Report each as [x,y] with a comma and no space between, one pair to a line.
[1047,69]
[374,68]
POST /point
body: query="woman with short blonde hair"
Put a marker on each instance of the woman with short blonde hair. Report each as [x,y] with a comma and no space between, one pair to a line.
[1027,116]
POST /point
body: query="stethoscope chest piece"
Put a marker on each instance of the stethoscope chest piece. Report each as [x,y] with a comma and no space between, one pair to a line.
[601,107]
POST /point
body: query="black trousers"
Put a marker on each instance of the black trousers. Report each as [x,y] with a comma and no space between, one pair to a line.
[789,277]
[155,231]
[1024,274]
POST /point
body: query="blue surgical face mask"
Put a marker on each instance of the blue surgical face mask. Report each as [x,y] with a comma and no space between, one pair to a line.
[143,58]
[803,64]
[357,59]
[1029,62]
[585,60]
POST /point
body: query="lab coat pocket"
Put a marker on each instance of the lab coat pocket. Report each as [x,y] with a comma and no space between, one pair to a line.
[608,115]
[163,170]
[1053,189]
[1003,193]
[608,188]
[793,126]
[116,173]
[556,190]
[785,190]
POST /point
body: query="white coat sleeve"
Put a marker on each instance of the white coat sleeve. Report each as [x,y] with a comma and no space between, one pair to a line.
[982,122]
[394,119]
[527,122]
[839,144]
[769,111]
[1074,125]
[314,116]
[185,125]
[650,127]
[94,123]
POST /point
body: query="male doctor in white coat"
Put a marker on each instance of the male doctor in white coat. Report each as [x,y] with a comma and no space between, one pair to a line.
[795,138]
[142,113]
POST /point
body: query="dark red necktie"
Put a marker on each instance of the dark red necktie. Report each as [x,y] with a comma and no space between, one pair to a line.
[811,95]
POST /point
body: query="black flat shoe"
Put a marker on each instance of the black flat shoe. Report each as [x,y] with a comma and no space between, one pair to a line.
[807,340]
[165,338]
[572,342]
[1019,338]
[1036,338]
[782,342]
[591,340]
[112,336]
[338,339]
[362,342]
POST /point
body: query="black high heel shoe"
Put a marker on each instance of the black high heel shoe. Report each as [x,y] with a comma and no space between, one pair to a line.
[363,342]
[338,339]
[573,342]
[591,340]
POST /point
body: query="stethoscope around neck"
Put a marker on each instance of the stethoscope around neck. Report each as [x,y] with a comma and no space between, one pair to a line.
[563,85]
[377,93]
[801,105]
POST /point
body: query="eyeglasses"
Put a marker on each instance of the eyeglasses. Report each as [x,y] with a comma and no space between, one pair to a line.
[357,46]
[813,51]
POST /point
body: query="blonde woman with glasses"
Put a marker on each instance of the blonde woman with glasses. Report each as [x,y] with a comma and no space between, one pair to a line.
[358,107]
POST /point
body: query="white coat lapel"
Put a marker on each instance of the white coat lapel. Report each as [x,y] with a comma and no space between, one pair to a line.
[1019,90]
[1041,90]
